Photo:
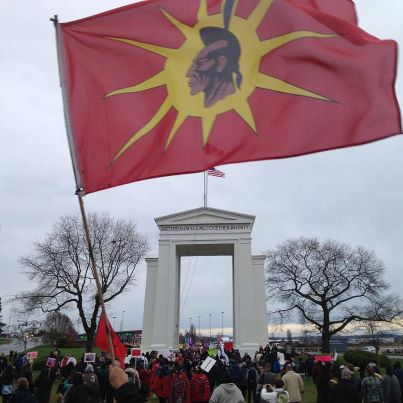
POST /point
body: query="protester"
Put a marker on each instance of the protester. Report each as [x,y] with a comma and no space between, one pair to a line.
[3,362]
[390,387]
[252,378]
[266,378]
[371,386]
[180,386]
[125,392]
[6,382]
[346,390]
[293,384]
[26,373]
[226,392]
[274,393]
[323,383]
[90,378]
[43,384]
[22,393]
[81,392]
[200,390]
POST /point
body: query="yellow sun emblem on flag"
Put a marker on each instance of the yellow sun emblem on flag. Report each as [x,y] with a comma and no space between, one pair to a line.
[215,70]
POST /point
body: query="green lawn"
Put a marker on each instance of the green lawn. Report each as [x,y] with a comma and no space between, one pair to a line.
[44,350]
[309,396]
[4,341]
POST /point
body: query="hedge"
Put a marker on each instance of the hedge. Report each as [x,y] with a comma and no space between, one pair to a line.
[358,358]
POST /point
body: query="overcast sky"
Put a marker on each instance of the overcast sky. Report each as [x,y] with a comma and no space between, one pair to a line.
[352,195]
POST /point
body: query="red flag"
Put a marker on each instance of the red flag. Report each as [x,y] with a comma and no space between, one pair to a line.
[166,87]
[344,9]
[101,339]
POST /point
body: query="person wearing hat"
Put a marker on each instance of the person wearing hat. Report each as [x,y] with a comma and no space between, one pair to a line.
[134,377]
[89,377]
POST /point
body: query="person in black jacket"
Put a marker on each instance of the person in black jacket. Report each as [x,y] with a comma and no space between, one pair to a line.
[125,391]
[345,391]
[22,393]
[80,392]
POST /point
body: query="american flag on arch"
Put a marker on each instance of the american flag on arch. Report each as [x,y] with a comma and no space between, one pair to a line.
[216,172]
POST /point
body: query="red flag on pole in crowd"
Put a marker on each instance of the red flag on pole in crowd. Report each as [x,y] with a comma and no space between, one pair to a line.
[101,339]
[166,87]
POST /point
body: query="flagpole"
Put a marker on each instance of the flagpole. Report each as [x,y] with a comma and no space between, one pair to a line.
[205,188]
[95,271]
[80,190]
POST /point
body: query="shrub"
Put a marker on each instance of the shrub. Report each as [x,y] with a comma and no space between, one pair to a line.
[358,358]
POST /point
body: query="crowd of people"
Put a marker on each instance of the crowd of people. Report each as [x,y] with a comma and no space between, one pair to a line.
[178,377]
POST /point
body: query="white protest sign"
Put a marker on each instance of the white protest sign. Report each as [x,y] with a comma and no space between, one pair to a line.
[207,364]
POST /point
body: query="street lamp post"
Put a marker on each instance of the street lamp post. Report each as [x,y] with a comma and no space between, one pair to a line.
[210,327]
[199,327]
[121,326]
[222,324]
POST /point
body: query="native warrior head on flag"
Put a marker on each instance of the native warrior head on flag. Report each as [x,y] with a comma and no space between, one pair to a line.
[164,87]
[214,68]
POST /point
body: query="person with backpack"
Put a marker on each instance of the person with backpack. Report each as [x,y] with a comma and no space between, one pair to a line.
[274,394]
[251,380]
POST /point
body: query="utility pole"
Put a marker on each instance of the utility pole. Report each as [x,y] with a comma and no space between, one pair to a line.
[121,326]
[222,324]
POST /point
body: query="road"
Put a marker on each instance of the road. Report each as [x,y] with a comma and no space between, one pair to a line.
[18,344]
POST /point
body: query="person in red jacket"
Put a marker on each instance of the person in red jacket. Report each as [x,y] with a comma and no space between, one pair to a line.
[144,376]
[199,387]
[153,368]
[163,381]
[180,387]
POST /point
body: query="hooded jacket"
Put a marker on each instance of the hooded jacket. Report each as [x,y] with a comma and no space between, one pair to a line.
[226,393]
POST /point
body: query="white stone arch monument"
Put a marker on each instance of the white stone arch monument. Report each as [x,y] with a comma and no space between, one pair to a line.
[204,232]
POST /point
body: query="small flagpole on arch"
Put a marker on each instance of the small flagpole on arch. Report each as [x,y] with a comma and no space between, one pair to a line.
[205,189]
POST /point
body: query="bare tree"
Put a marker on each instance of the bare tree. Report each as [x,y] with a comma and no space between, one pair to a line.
[61,268]
[381,315]
[57,326]
[329,283]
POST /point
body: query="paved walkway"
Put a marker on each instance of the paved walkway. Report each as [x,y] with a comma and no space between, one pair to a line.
[18,344]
